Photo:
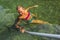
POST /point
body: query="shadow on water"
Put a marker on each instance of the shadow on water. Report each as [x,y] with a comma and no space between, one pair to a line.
[8,35]
[4,35]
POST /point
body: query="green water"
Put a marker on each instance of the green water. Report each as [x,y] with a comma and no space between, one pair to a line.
[48,10]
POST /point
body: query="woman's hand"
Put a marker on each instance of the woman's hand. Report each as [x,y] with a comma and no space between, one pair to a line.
[22,29]
[36,5]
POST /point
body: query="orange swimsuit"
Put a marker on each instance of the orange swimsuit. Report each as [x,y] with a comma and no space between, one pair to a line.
[27,16]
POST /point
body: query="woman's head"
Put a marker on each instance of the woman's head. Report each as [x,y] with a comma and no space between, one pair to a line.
[20,9]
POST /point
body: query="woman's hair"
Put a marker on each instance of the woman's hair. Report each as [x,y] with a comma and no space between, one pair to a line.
[18,6]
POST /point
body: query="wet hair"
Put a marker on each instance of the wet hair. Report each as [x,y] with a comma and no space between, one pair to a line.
[18,11]
[18,6]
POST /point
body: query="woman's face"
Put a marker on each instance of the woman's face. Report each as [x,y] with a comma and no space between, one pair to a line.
[20,9]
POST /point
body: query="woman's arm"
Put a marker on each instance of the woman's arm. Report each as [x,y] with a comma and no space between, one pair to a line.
[31,7]
[17,22]
[34,15]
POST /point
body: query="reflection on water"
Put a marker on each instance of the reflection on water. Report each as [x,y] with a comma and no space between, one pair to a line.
[2,9]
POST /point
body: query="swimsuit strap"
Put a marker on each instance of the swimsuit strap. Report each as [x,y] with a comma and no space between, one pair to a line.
[27,16]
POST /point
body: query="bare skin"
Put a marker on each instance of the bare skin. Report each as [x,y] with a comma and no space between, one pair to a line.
[23,14]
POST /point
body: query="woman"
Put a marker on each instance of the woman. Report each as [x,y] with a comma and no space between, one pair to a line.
[24,14]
